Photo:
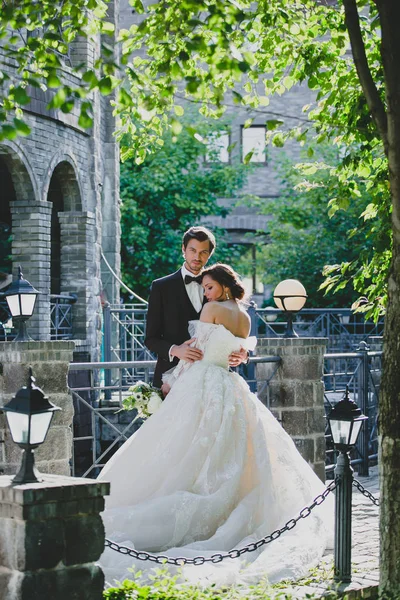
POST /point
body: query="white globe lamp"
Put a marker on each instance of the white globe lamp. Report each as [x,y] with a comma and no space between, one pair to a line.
[290,296]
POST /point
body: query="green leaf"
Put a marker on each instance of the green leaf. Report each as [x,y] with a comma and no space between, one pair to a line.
[278,140]
[20,95]
[272,124]
[21,127]
[176,127]
[58,99]
[248,156]
[85,120]
[105,85]
[53,81]
[179,111]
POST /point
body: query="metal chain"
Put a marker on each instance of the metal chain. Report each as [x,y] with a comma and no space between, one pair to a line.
[365,492]
[236,552]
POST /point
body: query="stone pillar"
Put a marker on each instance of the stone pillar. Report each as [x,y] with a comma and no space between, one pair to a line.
[296,393]
[50,535]
[31,228]
[50,363]
[80,274]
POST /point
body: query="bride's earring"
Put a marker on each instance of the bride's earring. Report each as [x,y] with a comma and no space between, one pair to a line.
[227,296]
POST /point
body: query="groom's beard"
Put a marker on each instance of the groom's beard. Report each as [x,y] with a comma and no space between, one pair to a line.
[192,268]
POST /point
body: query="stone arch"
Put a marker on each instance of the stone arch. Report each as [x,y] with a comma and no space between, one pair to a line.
[7,196]
[63,194]
[23,179]
[64,168]
[29,227]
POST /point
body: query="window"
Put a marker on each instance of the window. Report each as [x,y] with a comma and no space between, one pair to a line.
[253,140]
[218,147]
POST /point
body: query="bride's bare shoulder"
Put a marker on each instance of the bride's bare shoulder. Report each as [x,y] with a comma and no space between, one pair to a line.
[210,312]
[245,323]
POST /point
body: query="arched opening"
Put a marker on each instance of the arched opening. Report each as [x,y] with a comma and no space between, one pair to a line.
[8,195]
[64,195]
[55,196]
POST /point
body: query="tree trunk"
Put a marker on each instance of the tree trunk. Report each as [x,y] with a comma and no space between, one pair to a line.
[389,398]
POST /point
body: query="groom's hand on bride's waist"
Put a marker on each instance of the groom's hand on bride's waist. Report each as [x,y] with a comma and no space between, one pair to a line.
[185,352]
[237,358]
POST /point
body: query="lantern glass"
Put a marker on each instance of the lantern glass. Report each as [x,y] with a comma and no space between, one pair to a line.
[19,427]
[22,433]
[27,304]
[14,305]
[340,431]
[355,431]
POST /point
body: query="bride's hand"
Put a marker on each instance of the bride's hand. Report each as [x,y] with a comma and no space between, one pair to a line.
[237,358]
[185,352]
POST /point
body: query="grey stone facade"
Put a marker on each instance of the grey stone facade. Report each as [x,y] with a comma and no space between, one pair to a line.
[61,187]
[50,363]
[296,393]
[50,535]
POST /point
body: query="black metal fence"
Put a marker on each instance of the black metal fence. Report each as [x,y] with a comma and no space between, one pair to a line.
[124,328]
[343,328]
[100,427]
[61,322]
[361,372]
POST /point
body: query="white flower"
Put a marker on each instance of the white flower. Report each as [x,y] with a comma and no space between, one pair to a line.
[154,403]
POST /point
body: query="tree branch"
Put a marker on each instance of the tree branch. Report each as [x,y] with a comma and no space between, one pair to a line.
[374,102]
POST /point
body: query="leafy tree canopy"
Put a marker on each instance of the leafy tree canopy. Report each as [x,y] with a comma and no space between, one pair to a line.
[304,238]
[201,48]
[174,188]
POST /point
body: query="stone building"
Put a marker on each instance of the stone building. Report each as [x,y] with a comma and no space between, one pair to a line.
[59,207]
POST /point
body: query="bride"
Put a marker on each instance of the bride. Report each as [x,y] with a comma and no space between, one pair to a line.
[212,469]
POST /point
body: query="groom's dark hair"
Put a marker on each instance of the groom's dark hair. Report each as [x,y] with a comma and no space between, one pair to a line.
[201,234]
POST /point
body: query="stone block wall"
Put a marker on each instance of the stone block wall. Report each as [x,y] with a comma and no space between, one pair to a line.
[296,392]
[50,363]
[50,535]
[67,176]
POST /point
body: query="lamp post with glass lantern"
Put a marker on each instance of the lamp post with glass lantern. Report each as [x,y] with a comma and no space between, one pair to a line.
[21,299]
[290,296]
[345,422]
[29,415]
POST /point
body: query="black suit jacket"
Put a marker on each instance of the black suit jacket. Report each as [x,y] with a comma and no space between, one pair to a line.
[168,316]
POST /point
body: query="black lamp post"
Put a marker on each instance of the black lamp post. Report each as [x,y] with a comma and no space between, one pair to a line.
[290,296]
[29,415]
[21,299]
[345,421]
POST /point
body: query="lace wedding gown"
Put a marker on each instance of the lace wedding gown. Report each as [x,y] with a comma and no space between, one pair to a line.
[213,470]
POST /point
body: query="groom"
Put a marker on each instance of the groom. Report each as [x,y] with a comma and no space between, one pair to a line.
[177,299]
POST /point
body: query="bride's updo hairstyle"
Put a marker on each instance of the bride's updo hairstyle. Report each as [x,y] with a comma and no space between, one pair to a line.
[226,276]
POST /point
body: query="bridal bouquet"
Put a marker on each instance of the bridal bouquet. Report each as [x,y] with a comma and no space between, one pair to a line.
[145,398]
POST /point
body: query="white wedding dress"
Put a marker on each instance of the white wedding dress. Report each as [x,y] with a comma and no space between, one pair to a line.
[213,470]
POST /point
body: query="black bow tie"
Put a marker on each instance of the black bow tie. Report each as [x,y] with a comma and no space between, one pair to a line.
[189,279]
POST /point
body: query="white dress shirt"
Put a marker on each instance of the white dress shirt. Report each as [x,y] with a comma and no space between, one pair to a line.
[194,290]
[196,296]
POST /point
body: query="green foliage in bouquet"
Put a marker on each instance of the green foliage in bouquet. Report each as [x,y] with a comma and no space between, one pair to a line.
[144,398]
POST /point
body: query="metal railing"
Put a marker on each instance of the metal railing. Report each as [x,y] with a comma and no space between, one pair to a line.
[99,429]
[124,328]
[98,390]
[343,328]
[61,316]
[361,372]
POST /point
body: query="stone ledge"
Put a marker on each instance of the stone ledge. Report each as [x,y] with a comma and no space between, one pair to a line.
[52,489]
[39,345]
